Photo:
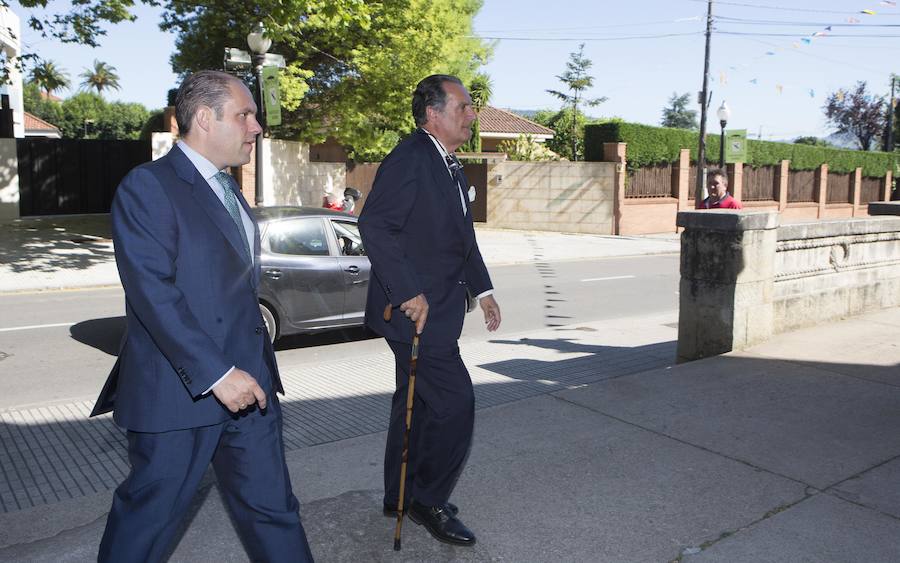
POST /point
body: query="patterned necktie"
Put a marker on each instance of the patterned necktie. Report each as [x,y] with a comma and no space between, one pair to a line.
[231,204]
[455,167]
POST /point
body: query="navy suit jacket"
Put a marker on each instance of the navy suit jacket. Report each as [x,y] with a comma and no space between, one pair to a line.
[419,241]
[191,300]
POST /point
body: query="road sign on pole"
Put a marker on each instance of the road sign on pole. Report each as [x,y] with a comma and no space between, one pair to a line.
[271,95]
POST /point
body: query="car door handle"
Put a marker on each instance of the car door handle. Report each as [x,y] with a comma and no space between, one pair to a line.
[352,269]
[272,274]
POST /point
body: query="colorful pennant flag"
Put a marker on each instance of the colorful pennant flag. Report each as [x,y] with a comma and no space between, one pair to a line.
[852,20]
[753,81]
[812,93]
[779,88]
[867,12]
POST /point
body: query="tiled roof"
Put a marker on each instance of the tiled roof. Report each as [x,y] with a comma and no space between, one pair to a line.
[34,123]
[494,120]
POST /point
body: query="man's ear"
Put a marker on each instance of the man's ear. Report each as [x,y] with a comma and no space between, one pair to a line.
[204,117]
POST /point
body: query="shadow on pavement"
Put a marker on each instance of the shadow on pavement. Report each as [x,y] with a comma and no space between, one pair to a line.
[103,334]
[51,244]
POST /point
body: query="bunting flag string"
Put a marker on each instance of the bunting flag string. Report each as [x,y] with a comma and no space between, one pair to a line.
[803,43]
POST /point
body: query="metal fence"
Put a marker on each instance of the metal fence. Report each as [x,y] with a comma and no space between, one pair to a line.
[839,188]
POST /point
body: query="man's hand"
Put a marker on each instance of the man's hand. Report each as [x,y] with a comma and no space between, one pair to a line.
[238,391]
[417,311]
[491,312]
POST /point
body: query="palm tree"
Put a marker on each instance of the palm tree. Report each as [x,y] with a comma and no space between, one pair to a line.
[49,77]
[102,77]
[480,92]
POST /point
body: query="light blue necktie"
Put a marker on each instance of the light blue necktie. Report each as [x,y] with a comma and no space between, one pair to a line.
[232,205]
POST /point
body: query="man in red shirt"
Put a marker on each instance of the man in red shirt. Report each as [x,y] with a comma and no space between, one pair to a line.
[719,198]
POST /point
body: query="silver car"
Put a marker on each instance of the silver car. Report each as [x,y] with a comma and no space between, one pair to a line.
[315,273]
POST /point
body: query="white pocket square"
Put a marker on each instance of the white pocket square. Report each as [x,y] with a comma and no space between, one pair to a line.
[471,194]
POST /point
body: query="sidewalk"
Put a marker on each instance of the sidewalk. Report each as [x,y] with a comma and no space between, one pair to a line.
[589,447]
[76,251]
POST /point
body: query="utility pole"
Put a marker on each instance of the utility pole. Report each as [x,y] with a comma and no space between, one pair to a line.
[701,151]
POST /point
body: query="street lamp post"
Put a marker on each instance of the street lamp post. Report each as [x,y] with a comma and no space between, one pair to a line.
[723,113]
[259,44]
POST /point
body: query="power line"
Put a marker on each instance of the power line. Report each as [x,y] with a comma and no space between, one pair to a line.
[586,39]
[782,8]
[743,21]
[760,34]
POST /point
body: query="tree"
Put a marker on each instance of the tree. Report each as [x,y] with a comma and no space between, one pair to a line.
[677,115]
[567,132]
[351,65]
[88,116]
[102,77]
[480,91]
[49,77]
[857,113]
[44,108]
[577,80]
[813,141]
[524,147]
[82,23]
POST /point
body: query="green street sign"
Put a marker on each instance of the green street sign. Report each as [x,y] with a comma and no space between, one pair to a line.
[271,95]
[736,146]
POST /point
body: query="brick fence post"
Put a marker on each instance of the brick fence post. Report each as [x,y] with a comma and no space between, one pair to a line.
[682,179]
[857,190]
[886,191]
[615,152]
[822,189]
[737,180]
[781,181]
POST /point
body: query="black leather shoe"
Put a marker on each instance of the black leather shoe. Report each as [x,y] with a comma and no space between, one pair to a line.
[390,510]
[442,525]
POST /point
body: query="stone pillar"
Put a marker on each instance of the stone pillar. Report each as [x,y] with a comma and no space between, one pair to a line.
[727,281]
[682,179]
[886,190]
[737,180]
[615,152]
[781,181]
[822,189]
[856,190]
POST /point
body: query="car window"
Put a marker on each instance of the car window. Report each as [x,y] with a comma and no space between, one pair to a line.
[299,237]
[349,240]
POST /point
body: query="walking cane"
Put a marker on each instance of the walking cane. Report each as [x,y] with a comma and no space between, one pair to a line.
[410,394]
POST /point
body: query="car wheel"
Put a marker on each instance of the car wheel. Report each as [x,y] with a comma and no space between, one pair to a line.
[269,319]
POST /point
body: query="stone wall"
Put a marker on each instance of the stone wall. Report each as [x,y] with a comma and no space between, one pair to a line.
[744,278]
[833,269]
[552,196]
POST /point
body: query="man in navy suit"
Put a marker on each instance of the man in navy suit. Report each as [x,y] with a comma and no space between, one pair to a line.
[418,233]
[196,378]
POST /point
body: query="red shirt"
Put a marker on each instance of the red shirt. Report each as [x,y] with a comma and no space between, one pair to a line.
[727,202]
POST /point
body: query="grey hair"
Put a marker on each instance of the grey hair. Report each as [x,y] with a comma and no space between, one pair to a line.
[430,93]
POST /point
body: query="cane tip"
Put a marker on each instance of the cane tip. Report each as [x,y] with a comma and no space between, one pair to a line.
[397,544]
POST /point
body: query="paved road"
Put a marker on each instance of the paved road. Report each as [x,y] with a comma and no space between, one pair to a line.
[58,346]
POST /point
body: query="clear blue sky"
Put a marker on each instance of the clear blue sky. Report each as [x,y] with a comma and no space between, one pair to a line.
[793,72]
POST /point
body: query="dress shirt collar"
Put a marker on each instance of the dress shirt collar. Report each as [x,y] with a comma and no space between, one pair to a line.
[206,168]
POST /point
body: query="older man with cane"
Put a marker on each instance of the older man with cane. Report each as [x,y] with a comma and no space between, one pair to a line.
[418,233]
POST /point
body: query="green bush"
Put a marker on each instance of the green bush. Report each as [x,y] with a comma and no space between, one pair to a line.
[648,145]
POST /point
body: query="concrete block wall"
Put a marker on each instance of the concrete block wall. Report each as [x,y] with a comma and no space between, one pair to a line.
[552,196]
[289,178]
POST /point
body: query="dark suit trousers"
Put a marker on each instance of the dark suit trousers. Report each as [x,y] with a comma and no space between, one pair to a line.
[247,454]
[442,423]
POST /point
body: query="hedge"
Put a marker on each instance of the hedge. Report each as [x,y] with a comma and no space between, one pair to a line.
[648,145]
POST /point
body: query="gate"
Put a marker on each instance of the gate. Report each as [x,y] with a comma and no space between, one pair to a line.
[476,174]
[71,176]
